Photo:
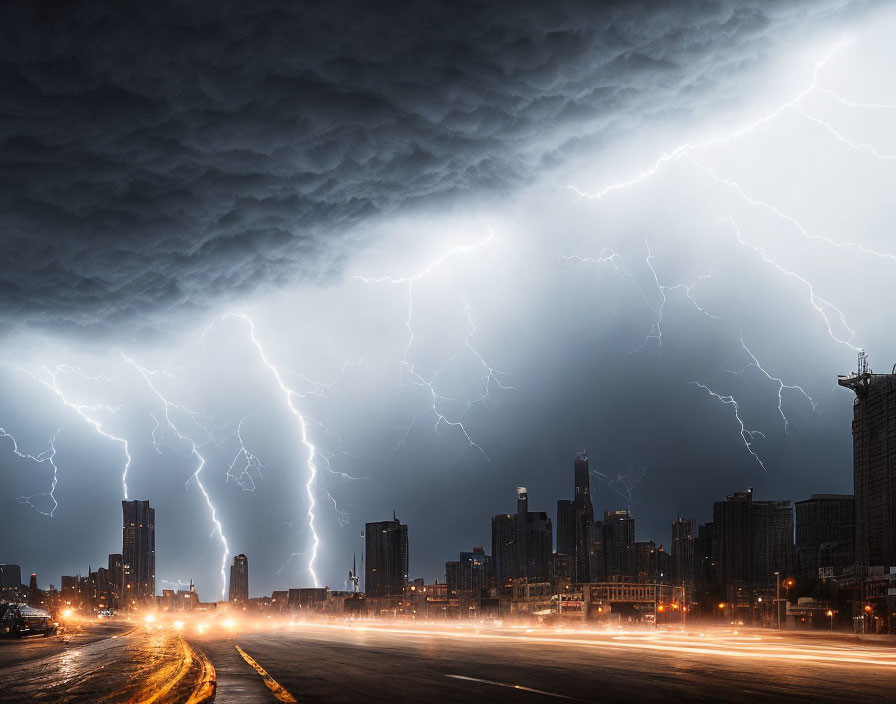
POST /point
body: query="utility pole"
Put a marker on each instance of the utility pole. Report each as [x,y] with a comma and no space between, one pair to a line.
[778,597]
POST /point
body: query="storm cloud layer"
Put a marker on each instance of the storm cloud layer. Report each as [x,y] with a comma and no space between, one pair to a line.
[156,160]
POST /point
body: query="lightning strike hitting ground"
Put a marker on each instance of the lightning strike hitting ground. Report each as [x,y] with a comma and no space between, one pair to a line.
[194,450]
[48,456]
[289,394]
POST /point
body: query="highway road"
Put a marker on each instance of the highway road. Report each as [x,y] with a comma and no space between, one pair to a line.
[255,662]
[329,664]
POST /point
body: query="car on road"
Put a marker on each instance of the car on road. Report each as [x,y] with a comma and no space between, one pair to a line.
[17,620]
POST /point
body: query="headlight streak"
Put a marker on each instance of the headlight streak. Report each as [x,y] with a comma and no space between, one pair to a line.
[47,455]
[715,645]
[194,450]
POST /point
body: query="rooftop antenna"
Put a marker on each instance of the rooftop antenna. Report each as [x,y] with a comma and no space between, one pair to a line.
[863,363]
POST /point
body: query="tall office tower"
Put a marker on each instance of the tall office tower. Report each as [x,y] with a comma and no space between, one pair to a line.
[566,528]
[583,511]
[386,545]
[772,534]
[755,539]
[874,468]
[683,554]
[473,569]
[504,551]
[239,578]
[825,534]
[522,543]
[619,544]
[452,577]
[138,549]
[522,500]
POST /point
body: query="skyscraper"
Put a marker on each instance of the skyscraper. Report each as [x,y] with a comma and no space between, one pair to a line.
[522,543]
[755,539]
[566,528]
[239,578]
[683,555]
[583,511]
[619,544]
[386,544]
[874,471]
[138,549]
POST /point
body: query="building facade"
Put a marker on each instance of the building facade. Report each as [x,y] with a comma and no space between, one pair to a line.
[386,568]
[620,559]
[874,465]
[138,550]
[825,535]
[755,540]
[522,543]
[239,579]
[684,534]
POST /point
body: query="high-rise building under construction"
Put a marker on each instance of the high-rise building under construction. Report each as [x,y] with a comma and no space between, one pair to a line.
[874,464]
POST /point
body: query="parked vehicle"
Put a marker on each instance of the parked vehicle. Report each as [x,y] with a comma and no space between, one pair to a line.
[18,620]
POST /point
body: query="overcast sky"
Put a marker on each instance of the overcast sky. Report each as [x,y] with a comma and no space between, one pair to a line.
[380,257]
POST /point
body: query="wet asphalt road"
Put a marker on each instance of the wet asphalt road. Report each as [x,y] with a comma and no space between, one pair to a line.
[325,664]
[340,663]
[115,663]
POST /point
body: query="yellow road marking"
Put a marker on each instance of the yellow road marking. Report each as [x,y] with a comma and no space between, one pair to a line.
[279,692]
[182,669]
[515,686]
[205,690]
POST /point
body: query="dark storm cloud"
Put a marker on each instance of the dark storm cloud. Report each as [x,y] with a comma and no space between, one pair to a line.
[156,158]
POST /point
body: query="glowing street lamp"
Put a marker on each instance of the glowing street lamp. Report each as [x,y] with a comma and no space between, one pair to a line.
[830,615]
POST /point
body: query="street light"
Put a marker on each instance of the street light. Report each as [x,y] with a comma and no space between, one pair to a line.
[830,615]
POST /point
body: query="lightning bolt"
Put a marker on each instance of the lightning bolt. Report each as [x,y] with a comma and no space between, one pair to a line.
[194,450]
[251,465]
[84,410]
[628,483]
[830,314]
[754,363]
[47,455]
[748,436]
[687,148]
[821,306]
[416,378]
[783,216]
[289,395]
